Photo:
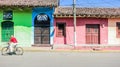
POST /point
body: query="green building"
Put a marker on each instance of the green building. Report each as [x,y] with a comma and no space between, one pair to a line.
[18,18]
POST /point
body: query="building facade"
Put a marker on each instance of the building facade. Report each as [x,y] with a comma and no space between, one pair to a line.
[88,31]
[31,23]
[94,26]
[113,30]
[44,23]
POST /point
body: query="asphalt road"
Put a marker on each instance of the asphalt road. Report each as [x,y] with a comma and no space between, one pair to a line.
[61,59]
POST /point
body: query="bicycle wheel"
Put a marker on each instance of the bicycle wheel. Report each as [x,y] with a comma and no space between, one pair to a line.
[19,51]
[5,51]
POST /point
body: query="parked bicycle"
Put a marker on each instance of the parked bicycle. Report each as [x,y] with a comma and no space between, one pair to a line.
[16,50]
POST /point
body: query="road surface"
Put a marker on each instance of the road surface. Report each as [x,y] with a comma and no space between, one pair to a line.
[61,59]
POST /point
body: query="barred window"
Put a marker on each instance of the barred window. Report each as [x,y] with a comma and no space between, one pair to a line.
[60,31]
[118,29]
[7,15]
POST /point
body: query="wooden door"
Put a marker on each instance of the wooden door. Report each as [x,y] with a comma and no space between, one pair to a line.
[42,32]
[45,37]
[41,35]
[92,34]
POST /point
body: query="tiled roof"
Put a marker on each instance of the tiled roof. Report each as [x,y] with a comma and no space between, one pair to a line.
[28,2]
[88,12]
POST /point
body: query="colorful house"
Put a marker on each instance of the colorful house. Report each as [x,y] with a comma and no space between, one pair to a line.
[30,21]
[44,23]
[94,26]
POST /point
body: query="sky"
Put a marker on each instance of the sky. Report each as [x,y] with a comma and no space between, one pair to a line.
[92,3]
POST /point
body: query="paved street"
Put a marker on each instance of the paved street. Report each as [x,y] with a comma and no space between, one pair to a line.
[61,59]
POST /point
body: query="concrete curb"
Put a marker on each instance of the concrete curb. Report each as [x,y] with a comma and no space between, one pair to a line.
[42,49]
[84,51]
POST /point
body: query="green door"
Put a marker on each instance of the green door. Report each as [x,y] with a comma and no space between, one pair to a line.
[7,30]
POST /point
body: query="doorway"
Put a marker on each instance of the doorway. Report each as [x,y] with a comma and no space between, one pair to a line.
[42,29]
[92,34]
[7,30]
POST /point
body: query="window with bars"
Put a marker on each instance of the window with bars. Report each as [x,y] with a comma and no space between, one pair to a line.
[7,15]
[60,31]
[118,29]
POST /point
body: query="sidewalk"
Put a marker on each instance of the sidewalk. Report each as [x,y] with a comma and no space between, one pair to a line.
[69,49]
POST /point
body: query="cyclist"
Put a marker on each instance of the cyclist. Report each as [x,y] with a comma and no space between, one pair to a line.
[12,43]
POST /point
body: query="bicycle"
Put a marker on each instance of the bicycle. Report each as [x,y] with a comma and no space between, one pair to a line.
[16,50]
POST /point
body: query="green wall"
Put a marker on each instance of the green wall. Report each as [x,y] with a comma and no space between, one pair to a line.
[22,26]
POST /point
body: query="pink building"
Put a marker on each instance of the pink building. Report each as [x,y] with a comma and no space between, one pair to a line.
[88,31]
[92,25]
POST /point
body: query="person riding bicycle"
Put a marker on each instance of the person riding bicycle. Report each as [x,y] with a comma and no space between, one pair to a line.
[12,48]
[12,43]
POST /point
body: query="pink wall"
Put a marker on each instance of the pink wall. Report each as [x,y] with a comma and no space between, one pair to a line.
[80,30]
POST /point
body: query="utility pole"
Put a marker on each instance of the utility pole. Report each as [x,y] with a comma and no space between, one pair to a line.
[74,14]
